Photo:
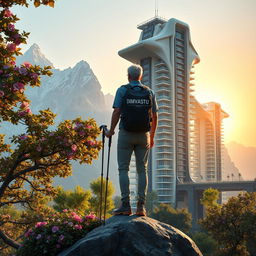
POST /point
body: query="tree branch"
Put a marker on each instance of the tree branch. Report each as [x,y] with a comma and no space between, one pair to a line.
[9,241]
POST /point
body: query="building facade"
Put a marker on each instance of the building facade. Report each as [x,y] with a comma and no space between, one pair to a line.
[206,141]
[167,56]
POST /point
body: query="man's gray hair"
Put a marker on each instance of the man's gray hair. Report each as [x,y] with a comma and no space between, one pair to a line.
[135,71]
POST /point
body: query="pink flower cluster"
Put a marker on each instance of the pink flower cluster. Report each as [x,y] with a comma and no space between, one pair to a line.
[74,148]
[91,216]
[25,109]
[41,224]
[78,226]
[7,13]
[11,47]
[91,142]
[78,126]
[18,87]
[29,233]
[23,137]
[76,217]
[11,27]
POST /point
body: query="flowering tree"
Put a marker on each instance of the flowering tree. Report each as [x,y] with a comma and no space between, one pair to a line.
[41,152]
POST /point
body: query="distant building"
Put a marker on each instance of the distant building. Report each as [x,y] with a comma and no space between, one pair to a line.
[206,141]
[167,56]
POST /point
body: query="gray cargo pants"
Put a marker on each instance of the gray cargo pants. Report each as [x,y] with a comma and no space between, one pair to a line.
[127,143]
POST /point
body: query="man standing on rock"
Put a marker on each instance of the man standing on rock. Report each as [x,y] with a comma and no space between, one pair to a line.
[135,104]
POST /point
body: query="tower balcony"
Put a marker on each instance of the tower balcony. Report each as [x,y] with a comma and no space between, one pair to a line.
[163,84]
[162,69]
[163,76]
[164,111]
[166,146]
[160,63]
[162,89]
[164,99]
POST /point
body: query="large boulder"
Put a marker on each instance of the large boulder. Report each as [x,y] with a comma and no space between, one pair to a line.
[134,236]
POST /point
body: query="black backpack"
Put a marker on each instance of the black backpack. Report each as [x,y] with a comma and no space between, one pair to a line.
[136,108]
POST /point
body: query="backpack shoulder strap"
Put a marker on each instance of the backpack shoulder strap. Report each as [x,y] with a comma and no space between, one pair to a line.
[126,86]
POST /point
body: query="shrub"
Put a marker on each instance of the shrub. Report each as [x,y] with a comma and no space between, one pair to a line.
[57,233]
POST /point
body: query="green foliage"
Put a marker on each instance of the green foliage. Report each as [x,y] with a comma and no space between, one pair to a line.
[179,218]
[207,245]
[151,201]
[96,190]
[76,200]
[233,225]
[28,167]
[60,231]
[210,197]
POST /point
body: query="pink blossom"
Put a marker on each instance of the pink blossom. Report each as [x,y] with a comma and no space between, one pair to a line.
[7,13]
[55,229]
[27,64]
[28,110]
[70,156]
[22,113]
[77,218]
[12,63]
[23,71]
[17,40]
[18,86]
[89,126]
[41,224]
[23,137]
[90,216]
[78,226]
[81,133]
[91,143]
[1,94]
[11,47]
[11,27]
[34,76]
[24,104]
[65,210]
[74,148]
[78,125]
[28,233]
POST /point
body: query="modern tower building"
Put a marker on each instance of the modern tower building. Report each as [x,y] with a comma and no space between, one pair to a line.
[206,141]
[166,53]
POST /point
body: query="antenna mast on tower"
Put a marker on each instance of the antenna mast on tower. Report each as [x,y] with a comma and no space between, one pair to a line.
[156,8]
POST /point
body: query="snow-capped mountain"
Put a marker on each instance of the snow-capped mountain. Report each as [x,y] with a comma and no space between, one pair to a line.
[34,56]
[70,93]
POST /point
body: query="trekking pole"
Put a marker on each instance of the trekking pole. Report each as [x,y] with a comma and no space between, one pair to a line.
[106,192]
[103,128]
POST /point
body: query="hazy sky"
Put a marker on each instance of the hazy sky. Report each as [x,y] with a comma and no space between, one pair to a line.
[222,32]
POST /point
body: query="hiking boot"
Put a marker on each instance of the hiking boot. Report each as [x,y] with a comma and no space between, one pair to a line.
[141,211]
[125,209]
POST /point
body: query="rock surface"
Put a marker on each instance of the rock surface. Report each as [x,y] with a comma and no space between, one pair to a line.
[134,236]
